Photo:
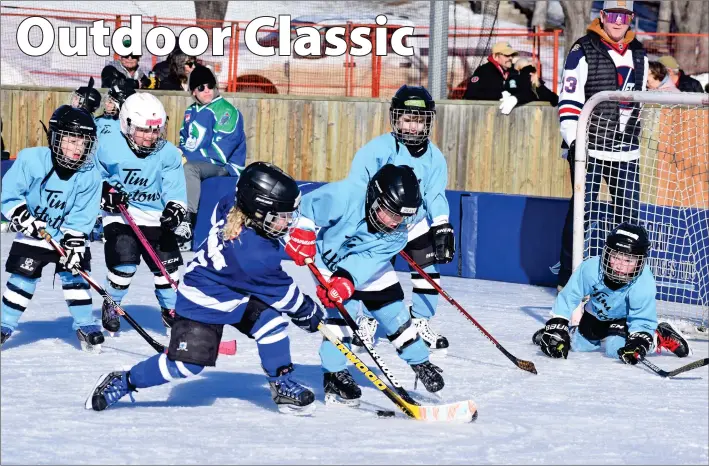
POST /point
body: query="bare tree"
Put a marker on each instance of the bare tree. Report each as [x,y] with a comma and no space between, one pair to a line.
[664,17]
[210,14]
[692,52]
[539,17]
[576,18]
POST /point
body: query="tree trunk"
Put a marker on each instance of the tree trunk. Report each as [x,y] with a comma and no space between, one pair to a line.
[664,18]
[539,17]
[690,17]
[576,18]
[210,14]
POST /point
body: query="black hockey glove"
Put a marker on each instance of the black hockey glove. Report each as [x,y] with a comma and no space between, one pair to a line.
[112,198]
[75,248]
[572,152]
[636,347]
[443,243]
[555,339]
[22,221]
[172,215]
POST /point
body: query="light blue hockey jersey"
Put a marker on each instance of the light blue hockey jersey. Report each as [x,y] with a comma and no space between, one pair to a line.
[223,275]
[343,240]
[431,170]
[150,182]
[634,302]
[114,126]
[65,205]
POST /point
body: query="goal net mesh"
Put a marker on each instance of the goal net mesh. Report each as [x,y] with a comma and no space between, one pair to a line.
[662,182]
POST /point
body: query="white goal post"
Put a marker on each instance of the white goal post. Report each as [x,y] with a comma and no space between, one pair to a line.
[644,157]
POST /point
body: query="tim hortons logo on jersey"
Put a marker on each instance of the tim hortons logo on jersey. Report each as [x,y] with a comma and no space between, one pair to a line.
[54,201]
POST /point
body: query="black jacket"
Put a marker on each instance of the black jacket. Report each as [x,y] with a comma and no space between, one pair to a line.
[487,83]
[520,86]
[688,84]
[170,83]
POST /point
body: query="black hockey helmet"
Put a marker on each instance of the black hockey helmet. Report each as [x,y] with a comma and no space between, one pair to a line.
[117,94]
[417,103]
[72,137]
[86,97]
[393,198]
[624,253]
[269,197]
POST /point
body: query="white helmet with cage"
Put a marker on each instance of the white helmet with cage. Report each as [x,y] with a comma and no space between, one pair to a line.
[143,122]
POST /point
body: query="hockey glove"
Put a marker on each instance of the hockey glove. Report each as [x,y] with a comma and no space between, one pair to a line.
[172,215]
[555,339]
[443,243]
[340,289]
[112,198]
[507,103]
[636,347]
[301,245]
[75,248]
[308,316]
[22,221]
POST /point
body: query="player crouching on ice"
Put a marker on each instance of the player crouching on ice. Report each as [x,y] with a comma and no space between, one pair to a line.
[234,279]
[56,189]
[621,311]
[359,234]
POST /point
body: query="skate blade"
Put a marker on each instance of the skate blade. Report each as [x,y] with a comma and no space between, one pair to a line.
[88,404]
[332,399]
[294,410]
[95,349]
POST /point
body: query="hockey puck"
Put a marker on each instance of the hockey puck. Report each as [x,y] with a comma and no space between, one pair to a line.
[385,413]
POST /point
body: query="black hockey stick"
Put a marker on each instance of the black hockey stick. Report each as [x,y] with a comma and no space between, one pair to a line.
[679,370]
[522,364]
[106,297]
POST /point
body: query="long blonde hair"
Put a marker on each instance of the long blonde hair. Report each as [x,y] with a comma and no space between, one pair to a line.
[235,220]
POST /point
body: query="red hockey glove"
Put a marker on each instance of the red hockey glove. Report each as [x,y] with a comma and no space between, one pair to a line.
[301,245]
[341,289]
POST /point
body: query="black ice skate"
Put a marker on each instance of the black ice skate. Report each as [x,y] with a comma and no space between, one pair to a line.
[671,339]
[430,375]
[290,396]
[109,388]
[168,318]
[110,319]
[432,339]
[341,388]
[90,338]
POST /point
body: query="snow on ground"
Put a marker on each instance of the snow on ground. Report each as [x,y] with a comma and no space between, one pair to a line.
[584,410]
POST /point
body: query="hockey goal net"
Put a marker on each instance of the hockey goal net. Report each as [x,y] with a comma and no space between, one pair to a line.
[644,157]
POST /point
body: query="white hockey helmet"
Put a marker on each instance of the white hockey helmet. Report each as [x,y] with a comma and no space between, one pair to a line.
[143,122]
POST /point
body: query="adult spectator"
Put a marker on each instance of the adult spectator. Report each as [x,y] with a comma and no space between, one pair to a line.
[524,87]
[488,80]
[607,58]
[180,67]
[212,141]
[658,79]
[681,81]
[126,66]
[162,69]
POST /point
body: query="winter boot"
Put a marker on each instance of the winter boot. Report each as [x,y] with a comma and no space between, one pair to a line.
[430,375]
[110,319]
[290,396]
[670,338]
[341,388]
[109,388]
[5,334]
[368,328]
[432,339]
[90,337]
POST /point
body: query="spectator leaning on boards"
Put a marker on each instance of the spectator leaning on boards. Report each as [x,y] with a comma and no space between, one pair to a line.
[212,142]
[488,80]
[681,81]
[658,79]
[525,87]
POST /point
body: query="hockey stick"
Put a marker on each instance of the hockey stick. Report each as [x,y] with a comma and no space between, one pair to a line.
[225,347]
[679,370]
[522,364]
[462,411]
[106,297]
[368,346]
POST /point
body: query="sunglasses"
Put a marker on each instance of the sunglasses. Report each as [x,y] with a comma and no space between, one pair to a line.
[136,57]
[619,18]
[202,87]
[189,63]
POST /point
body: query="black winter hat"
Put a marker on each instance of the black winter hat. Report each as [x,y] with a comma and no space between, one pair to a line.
[201,75]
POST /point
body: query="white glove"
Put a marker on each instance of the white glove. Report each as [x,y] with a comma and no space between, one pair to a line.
[508,102]
[75,248]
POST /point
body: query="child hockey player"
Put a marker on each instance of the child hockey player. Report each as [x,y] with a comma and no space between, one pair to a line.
[56,189]
[235,278]
[431,240]
[115,97]
[621,310]
[86,97]
[359,234]
[143,172]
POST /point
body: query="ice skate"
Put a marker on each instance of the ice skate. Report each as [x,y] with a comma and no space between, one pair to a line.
[670,338]
[5,334]
[290,396]
[168,318]
[108,389]
[433,340]
[367,328]
[341,388]
[90,337]
[110,319]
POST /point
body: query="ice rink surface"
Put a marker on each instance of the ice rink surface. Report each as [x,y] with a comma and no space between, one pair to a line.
[587,409]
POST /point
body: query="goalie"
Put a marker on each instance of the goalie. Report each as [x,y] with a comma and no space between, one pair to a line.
[621,312]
